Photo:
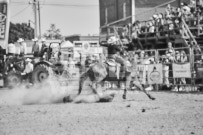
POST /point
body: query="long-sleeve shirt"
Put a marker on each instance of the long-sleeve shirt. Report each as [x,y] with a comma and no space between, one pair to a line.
[28,68]
[23,48]
[35,47]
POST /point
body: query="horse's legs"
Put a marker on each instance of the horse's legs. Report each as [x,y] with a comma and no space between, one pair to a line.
[94,87]
[81,82]
[139,85]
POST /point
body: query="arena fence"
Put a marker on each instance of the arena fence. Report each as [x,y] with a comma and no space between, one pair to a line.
[180,70]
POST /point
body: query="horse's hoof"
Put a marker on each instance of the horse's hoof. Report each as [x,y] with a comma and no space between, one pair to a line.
[64,100]
[124,96]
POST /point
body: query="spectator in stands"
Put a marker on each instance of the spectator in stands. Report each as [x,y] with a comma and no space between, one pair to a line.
[192,5]
[135,33]
[23,47]
[177,57]
[168,11]
[141,57]
[178,13]
[170,49]
[160,22]
[183,58]
[151,29]
[186,10]
[155,20]
[35,48]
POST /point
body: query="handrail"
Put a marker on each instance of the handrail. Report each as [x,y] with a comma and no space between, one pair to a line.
[189,32]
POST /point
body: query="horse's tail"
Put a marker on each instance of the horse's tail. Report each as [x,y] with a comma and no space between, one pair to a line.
[97,72]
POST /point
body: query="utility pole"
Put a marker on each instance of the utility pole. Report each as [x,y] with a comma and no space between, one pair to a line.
[35,17]
[39,20]
[133,11]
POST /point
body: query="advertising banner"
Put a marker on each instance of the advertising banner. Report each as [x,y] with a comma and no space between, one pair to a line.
[4,23]
[155,74]
[181,70]
[139,72]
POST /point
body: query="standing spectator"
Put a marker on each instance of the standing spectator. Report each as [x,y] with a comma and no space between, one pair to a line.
[166,64]
[35,48]
[170,49]
[27,74]
[23,47]
[160,23]
[11,49]
[183,59]
[43,40]
[135,33]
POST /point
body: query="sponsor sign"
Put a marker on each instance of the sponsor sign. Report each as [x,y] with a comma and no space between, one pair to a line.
[139,72]
[200,72]
[3,18]
[155,74]
[181,70]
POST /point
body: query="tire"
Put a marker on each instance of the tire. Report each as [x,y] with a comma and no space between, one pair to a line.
[13,80]
[40,73]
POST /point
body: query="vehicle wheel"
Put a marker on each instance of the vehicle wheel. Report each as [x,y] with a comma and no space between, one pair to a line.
[13,80]
[40,73]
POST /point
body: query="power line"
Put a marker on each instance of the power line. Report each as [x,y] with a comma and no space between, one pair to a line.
[56,4]
[20,12]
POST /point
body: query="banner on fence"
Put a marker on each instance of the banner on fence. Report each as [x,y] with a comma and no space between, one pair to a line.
[139,72]
[200,72]
[155,74]
[181,70]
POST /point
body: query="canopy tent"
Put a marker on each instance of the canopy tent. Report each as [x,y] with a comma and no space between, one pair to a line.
[66,44]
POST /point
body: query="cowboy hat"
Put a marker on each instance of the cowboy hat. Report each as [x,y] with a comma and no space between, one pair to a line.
[20,40]
[35,39]
[112,40]
[28,60]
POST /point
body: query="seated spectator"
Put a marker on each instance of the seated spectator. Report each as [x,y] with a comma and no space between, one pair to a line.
[151,29]
[186,11]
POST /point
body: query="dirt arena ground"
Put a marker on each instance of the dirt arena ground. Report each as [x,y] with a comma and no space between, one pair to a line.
[169,114]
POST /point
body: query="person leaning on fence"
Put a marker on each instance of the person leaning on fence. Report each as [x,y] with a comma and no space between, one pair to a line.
[35,48]
[23,47]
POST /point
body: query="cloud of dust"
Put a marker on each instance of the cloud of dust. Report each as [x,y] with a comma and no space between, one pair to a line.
[48,92]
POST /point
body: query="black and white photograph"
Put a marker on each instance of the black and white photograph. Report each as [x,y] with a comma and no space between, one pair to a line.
[101,67]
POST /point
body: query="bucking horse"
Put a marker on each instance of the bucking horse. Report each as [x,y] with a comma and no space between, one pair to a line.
[100,72]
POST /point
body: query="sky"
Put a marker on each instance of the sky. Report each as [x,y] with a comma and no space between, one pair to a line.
[74,19]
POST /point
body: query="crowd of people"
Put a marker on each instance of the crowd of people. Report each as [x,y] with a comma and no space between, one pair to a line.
[169,22]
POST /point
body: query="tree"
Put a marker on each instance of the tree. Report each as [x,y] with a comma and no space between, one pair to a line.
[20,30]
[53,33]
